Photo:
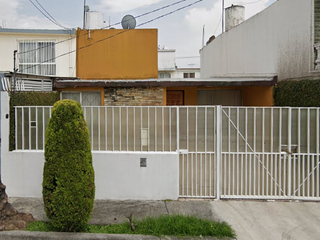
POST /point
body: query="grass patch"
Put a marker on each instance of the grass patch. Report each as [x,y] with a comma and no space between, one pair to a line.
[168,225]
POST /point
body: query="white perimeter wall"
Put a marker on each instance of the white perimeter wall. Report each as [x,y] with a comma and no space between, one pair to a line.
[66,65]
[277,40]
[117,175]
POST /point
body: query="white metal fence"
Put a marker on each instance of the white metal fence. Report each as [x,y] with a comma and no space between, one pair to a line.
[225,152]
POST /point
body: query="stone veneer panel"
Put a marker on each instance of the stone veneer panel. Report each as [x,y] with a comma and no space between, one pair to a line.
[133,96]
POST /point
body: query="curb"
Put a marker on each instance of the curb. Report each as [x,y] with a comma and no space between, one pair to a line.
[24,235]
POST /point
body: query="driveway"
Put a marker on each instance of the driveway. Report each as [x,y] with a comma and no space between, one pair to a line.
[253,220]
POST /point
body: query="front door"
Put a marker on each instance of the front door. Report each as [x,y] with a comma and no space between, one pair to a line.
[175,98]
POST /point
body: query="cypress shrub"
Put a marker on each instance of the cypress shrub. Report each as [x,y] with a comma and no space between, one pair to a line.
[68,179]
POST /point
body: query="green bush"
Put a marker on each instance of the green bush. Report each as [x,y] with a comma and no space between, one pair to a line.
[28,99]
[68,179]
[303,93]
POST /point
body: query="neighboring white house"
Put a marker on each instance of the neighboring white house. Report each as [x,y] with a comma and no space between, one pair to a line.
[281,40]
[167,66]
[39,51]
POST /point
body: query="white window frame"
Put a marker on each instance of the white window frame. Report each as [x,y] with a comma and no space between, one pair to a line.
[80,93]
[24,67]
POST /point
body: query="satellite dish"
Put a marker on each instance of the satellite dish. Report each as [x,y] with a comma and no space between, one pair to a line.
[128,22]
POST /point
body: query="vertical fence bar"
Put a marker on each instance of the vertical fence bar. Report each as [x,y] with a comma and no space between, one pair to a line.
[141,128]
[238,125]
[29,128]
[242,174]
[267,192]
[246,127]
[134,129]
[229,131]
[170,143]
[218,149]
[312,174]
[155,129]
[254,149]
[308,175]
[99,128]
[317,151]
[16,127]
[250,174]
[43,128]
[196,159]
[112,128]
[187,173]
[272,176]
[263,192]
[148,129]
[290,150]
[36,127]
[201,175]
[276,174]
[246,176]
[210,177]
[106,126]
[317,182]
[280,129]
[120,123]
[308,131]
[127,129]
[205,150]
[183,173]
[178,130]
[191,159]
[299,175]
[188,128]
[299,130]
[163,149]
[271,131]
[303,174]
[238,170]
[91,127]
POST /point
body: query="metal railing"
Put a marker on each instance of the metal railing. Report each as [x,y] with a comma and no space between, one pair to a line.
[126,128]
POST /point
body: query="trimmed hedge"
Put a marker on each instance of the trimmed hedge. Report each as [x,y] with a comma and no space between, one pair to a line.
[303,93]
[28,99]
[68,179]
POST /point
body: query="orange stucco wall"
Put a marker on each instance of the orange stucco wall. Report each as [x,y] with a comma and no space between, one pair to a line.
[117,54]
[257,96]
[251,95]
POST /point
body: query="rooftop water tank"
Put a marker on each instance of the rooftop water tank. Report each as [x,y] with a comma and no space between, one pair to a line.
[234,16]
[94,20]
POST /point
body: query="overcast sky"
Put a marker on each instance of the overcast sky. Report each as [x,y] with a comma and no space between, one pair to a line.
[181,30]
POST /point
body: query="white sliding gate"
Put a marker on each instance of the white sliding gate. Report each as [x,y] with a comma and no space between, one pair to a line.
[270,153]
[225,152]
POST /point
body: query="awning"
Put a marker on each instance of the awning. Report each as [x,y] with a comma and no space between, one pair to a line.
[169,82]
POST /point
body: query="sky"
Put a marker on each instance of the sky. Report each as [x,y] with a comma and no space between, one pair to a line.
[181,30]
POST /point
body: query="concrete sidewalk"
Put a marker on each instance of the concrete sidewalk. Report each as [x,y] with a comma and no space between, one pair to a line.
[251,220]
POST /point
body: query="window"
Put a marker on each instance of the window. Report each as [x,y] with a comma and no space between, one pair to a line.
[37,57]
[84,98]
[189,75]
[164,75]
[220,97]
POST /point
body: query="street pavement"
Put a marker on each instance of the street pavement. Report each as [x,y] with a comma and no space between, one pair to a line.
[251,220]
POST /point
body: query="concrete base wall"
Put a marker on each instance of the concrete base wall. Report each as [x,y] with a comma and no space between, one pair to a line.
[117,175]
